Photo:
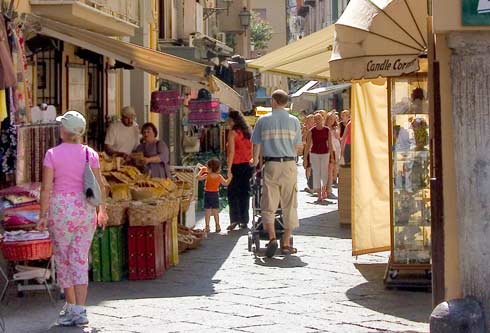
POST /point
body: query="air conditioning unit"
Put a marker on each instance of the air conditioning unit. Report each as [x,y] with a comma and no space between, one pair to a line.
[191,39]
[221,36]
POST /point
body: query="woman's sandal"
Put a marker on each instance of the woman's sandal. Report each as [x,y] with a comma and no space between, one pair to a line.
[287,250]
[218,229]
[232,226]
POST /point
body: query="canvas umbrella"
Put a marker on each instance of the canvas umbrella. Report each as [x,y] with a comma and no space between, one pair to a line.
[376,38]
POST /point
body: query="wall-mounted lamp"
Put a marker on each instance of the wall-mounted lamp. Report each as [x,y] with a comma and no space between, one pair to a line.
[245,16]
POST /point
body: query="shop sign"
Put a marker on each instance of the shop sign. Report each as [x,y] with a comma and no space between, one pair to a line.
[371,67]
[476,12]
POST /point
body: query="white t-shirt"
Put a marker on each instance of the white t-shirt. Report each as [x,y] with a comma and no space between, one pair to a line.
[122,138]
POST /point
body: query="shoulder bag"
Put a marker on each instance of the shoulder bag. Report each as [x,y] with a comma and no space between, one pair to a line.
[91,187]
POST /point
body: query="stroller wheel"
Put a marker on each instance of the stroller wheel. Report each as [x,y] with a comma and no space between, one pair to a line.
[256,241]
[250,241]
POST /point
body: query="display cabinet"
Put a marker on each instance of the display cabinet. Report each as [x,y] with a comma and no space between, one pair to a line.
[410,176]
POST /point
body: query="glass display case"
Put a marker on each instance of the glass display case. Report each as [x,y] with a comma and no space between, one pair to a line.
[410,176]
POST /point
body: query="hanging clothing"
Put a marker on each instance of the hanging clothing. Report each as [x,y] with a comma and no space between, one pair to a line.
[225,74]
[3,106]
[8,138]
[22,96]
[244,79]
[33,143]
[245,98]
[7,73]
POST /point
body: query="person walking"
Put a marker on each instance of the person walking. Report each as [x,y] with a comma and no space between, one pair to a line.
[277,136]
[70,219]
[308,124]
[213,180]
[156,153]
[334,164]
[239,151]
[318,147]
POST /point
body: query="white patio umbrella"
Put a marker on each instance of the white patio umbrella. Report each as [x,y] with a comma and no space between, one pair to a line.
[379,38]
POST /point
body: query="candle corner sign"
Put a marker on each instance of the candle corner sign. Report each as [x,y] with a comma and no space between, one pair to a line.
[475,12]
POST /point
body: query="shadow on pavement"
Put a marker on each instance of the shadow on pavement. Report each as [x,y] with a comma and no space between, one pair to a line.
[414,306]
[281,261]
[323,225]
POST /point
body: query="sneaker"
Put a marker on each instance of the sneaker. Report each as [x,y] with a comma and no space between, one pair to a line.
[67,316]
[81,318]
[332,196]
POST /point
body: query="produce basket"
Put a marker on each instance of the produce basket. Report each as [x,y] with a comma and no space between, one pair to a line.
[117,213]
[145,193]
[147,213]
[27,250]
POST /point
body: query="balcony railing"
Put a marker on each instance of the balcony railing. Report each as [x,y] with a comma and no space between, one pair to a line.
[111,17]
[126,10]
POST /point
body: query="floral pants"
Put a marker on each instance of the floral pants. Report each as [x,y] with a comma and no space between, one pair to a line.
[72,223]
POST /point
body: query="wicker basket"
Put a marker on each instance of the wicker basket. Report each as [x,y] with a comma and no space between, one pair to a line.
[117,213]
[147,213]
[28,250]
[145,193]
[184,205]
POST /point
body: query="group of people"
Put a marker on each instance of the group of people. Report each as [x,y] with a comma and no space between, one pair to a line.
[326,144]
[72,220]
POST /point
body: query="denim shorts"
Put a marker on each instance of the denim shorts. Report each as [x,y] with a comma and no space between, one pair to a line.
[211,200]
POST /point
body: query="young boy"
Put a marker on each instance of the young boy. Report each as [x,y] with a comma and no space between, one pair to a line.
[213,179]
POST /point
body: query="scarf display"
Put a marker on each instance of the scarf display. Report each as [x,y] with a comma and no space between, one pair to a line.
[33,143]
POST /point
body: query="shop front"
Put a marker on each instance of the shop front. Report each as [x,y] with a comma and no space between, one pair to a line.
[390,117]
[79,70]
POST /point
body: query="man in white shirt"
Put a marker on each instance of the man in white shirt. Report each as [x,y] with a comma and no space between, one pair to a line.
[123,136]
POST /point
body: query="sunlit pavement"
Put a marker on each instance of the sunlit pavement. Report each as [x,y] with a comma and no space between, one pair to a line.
[221,287]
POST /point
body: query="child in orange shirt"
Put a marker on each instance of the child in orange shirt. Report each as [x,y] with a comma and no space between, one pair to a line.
[213,179]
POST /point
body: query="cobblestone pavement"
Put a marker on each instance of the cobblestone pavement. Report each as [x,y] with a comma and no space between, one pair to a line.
[221,287]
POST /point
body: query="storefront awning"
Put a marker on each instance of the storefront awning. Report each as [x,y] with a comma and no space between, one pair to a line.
[166,66]
[376,38]
[306,58]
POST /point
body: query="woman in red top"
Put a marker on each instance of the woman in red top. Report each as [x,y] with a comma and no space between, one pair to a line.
[318,148]
[238,161]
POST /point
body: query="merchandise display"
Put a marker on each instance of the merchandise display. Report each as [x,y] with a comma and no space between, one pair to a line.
[410,174]
[108,253]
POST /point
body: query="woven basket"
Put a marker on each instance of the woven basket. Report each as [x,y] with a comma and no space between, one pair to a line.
[28,250]
[147,213]
[184,205]
[120,192]
[117,213]
[145,193]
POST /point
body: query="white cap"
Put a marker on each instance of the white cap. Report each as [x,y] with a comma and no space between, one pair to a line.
[73,121]
[128,111]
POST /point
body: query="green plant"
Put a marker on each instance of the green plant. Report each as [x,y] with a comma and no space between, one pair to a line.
[260,32]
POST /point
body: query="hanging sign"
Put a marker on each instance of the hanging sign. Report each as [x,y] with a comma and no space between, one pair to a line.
[476,12]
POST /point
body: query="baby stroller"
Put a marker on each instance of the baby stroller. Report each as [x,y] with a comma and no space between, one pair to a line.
[257,232]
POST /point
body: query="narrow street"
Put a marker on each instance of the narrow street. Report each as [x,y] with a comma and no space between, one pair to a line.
[221,287]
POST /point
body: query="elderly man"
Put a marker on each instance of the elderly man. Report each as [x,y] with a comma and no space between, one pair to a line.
[123,136]
[278,135]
